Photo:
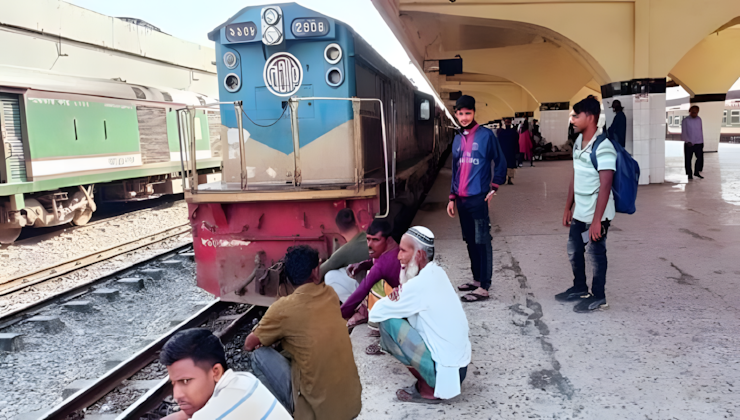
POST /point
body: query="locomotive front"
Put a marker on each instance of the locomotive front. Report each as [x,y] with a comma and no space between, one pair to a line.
[292,147]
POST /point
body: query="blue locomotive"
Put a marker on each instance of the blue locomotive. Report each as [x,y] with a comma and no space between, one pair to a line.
[326,123]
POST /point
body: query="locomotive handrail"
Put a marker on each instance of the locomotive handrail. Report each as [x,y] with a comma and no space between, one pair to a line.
[294,128]
[238,109]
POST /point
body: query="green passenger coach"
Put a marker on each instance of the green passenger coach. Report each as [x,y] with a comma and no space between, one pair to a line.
[69,142]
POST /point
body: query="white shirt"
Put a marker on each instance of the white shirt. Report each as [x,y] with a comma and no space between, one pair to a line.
[239,395]
[432,307]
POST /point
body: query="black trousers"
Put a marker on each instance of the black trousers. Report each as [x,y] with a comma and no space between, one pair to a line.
[476,232]
[688,154]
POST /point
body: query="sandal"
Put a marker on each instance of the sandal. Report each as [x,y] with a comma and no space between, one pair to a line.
[373,333]
[373,350]
[467,287]
[473,297]
[412,395]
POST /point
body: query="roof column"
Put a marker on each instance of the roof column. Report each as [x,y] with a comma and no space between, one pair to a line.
[644,108]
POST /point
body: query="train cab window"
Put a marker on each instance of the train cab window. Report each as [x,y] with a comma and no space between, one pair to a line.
[424,110]
[198,129]
[724,118]
[735,117]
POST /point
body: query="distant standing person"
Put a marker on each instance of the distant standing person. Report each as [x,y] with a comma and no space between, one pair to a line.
[509,140]
[471,190]
[591,192]
[618,130]
[525,143]
[693,142]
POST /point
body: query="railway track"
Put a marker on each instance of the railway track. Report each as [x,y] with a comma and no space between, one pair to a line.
[35,277]
[225,326]
[107,331]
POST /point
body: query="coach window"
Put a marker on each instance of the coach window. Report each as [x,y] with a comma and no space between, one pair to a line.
[424,110]
[724,117]
[735,117]
[676,120]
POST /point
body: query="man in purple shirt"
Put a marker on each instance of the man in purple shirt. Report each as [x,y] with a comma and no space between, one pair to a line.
[693,142]
[383,265]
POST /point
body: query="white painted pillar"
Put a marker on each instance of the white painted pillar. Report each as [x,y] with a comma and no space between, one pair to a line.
[711,111]
[644,107]
[554,120]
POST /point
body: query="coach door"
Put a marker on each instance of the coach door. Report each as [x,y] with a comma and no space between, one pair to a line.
[13,167]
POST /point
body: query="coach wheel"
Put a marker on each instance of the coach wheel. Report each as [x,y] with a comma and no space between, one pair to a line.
[9,235]
[81,218]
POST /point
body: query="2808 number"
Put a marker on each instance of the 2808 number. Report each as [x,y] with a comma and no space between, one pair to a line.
[305,27]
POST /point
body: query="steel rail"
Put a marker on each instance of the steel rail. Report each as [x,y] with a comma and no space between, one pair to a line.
[29,279]
[109,381]
[163,389]
[79,289]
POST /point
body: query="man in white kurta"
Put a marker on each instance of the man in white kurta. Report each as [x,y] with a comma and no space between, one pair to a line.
[423,323]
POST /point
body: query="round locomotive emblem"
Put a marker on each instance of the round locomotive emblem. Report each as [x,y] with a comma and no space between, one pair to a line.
[283,74]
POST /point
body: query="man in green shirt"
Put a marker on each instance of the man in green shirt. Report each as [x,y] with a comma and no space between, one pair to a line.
[334,270]
[591,192]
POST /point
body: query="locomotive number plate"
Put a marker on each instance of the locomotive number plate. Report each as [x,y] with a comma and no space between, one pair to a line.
[308,27]
[241,32]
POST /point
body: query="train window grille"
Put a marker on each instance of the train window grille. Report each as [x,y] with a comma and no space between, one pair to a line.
[676,120]
[735,117]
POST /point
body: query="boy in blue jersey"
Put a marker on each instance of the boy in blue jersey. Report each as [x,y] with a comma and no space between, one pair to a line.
[591,192]
[473,151]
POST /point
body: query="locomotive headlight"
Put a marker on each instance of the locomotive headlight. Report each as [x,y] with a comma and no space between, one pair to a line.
[334,77]
[232,83]
[230,60]
[333,53]
[271,16]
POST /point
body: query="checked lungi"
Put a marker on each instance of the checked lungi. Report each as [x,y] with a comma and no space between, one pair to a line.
[400,339]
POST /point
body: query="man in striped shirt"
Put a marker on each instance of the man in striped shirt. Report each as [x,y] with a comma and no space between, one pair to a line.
[206,390]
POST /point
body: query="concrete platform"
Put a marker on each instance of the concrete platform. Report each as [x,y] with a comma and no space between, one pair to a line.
[666,348]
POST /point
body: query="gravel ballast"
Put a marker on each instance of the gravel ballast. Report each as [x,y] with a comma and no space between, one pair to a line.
[88,344]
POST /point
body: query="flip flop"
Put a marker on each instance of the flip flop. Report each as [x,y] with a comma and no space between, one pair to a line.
[467,287]
[412,395]
[373,350]
[475,297]
[373,333]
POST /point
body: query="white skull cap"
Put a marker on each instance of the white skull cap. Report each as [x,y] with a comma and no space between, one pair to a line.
[422,234]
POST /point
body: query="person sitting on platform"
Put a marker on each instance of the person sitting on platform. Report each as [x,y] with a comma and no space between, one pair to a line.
[382,276]
[320,381]
[334,270]
[422,323]
[205,389]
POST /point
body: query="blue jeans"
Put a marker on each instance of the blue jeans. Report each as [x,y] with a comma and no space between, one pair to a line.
[596,254]
[273,370]
[476,232]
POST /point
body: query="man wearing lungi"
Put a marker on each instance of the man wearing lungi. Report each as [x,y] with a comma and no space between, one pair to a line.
[422,323]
